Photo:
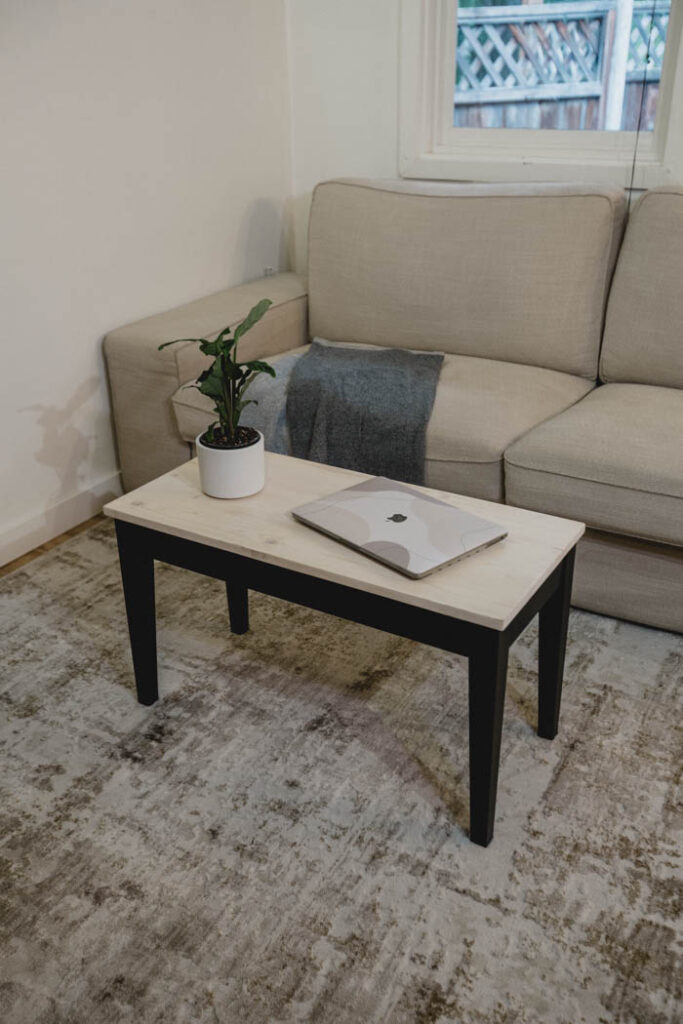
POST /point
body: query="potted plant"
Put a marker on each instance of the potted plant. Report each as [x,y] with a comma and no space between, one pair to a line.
[231,457]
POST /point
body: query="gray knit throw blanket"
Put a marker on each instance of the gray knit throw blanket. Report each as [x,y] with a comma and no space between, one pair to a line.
[363,409]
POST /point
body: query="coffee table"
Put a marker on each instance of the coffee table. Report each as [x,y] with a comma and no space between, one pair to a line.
[476,607]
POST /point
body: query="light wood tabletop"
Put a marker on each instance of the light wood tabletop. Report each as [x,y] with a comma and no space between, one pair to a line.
[488,588]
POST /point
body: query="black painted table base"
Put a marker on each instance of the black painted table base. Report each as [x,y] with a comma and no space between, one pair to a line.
[486,648]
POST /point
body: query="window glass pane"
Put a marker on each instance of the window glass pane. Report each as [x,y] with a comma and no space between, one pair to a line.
[574,64]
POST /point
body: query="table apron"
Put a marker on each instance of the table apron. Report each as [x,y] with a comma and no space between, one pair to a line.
[391,616]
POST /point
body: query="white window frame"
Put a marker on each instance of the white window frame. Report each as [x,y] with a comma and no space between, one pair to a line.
[430,147]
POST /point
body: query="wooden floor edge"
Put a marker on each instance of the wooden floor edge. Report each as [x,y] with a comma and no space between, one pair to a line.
[22,560]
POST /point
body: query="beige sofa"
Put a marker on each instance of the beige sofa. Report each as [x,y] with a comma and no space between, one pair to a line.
[534,406]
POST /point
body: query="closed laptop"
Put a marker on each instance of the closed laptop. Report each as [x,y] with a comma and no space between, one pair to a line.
[399,526]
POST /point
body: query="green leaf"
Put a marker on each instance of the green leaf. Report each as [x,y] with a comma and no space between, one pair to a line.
[210,382]
[257,366]
[250,377]
[231,370]
[219,345]
[209,348]
[242,405]
[252,317]
[195,341]
[211,389]
[222,335]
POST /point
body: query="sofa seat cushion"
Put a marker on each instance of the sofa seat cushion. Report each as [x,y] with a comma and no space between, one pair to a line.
[615,461]
[481,407]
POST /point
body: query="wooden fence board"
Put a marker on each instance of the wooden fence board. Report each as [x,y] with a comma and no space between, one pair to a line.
[545,66]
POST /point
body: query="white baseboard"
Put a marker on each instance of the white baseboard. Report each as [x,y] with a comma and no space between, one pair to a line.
[30,533]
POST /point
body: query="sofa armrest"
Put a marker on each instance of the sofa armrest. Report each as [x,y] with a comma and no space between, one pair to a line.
[143,380]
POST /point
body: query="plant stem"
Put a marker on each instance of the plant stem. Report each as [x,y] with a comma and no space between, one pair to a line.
[227,398]
[233,387]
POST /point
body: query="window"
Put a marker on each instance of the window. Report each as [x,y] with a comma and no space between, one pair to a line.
[564,64]
[587,85]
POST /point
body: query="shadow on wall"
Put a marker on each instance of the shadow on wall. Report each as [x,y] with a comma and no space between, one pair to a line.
[261,240]
[297,211]
[64,447]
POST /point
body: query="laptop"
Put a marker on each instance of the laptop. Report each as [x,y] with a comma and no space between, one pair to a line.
[399,526]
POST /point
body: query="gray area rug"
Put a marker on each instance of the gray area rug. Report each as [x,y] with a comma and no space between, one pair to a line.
[282,838]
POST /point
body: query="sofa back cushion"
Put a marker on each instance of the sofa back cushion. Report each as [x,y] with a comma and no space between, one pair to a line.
[643,341]
[510,272]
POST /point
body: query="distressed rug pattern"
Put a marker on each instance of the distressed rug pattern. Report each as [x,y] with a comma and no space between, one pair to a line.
[283,837]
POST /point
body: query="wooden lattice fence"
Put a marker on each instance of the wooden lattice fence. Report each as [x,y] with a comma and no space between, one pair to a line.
[548,66]
[640,35]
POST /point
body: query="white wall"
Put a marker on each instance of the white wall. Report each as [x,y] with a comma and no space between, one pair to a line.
[343,57]
[144,162]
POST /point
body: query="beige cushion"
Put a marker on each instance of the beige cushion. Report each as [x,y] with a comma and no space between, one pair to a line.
[644,327]
[481,406]
[615,461]
[516,273]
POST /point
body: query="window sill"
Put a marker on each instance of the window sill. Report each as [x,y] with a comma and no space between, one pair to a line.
[496,166]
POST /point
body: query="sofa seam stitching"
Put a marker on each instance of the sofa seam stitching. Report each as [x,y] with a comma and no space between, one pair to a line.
[428,195]
[465,462]
[590,480]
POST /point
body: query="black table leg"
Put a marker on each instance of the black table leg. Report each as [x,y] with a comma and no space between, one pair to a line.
[486,648]
[238,605]
[487,676]
[552,643]
[137,573]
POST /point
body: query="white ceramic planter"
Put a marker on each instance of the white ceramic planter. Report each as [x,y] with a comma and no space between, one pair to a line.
[231,473]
